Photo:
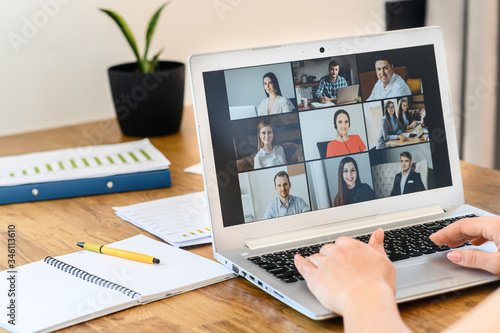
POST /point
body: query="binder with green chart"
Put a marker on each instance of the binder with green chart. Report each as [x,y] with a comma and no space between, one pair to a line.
[83,171]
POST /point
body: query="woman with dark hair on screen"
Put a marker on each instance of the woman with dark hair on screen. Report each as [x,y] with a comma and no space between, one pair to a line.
[344,143]
[404,116]
[274,103]
[267,154]
[350,188]
[390,127]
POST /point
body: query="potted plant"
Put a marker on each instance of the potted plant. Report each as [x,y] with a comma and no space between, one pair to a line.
[148,94]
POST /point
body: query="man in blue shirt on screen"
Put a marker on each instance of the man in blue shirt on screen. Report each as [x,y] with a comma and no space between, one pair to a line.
[328,85]
[285,203]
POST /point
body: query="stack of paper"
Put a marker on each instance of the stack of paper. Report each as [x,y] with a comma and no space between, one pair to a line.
[181,220]
[322,105]
[81,163]
[82,171]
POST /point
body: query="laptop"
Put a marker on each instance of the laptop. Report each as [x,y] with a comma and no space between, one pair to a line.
[347,94]
[256,237]
[244,111]
[419,130]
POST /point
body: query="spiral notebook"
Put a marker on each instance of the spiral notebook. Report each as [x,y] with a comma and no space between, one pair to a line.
[58,292]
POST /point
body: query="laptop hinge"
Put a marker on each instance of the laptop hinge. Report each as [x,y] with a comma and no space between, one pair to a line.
[338,227]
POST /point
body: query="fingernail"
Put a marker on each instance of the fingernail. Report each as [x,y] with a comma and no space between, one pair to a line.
[455,256]
[380,235]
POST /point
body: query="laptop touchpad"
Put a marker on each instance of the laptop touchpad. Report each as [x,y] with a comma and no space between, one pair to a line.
[418,274]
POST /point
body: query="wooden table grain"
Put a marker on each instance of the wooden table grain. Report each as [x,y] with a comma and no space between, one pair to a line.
[51,228]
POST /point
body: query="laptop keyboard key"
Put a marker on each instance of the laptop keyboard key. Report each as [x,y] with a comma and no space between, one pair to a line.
[259,262]
[267,266]
[278,271]
[289,280]
[442,248]
[398,256]
[434,226]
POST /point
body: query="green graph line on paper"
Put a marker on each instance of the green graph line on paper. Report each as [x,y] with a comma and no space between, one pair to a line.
[134,157]
[122,158]
[145,154]
[128,157]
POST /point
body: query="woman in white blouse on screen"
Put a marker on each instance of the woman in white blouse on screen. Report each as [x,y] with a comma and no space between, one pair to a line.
[274,103]
[267,154]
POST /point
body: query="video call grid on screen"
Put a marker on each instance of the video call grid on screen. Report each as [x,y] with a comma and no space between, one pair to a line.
[237,103]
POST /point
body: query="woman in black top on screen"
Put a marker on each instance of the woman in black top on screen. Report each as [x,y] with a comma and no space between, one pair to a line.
[350,188]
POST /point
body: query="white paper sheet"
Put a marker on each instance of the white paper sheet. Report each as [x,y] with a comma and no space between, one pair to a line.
[181,221]
[196,169]
[81,162]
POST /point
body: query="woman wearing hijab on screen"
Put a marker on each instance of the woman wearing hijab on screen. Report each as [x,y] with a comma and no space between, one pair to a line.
[274,103]
[267,154]
[350,188]
[344,143]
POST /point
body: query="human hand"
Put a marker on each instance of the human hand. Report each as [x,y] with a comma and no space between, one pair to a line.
[403,137]
[323,99]
[478,230]
[344,273]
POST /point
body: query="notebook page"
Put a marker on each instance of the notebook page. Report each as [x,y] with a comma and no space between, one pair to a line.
[178,271]
[48,298]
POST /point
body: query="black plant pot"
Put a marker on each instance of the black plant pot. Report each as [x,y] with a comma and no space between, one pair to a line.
[148,104]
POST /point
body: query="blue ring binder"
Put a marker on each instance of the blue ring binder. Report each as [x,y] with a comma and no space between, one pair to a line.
[83,187]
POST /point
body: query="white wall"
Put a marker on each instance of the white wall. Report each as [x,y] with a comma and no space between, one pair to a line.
[481,70]
[55,52]
[482,84]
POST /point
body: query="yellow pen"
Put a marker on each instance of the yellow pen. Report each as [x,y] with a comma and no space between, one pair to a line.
[119,253]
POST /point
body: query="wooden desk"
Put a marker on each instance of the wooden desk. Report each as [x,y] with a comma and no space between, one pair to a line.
[51,228]
[409,141]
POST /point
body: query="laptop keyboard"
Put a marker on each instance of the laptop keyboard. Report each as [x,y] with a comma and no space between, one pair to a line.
[399,244]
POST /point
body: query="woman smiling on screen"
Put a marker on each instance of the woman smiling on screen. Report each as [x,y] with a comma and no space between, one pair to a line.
[350,188]
[274,103]
[344,143]
[267,154]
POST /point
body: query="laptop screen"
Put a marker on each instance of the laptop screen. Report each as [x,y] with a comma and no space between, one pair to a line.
[284,144]
[419,130]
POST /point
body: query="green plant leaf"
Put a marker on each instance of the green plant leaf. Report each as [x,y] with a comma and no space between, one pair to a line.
[128,34]
[151,29]
[154,62]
